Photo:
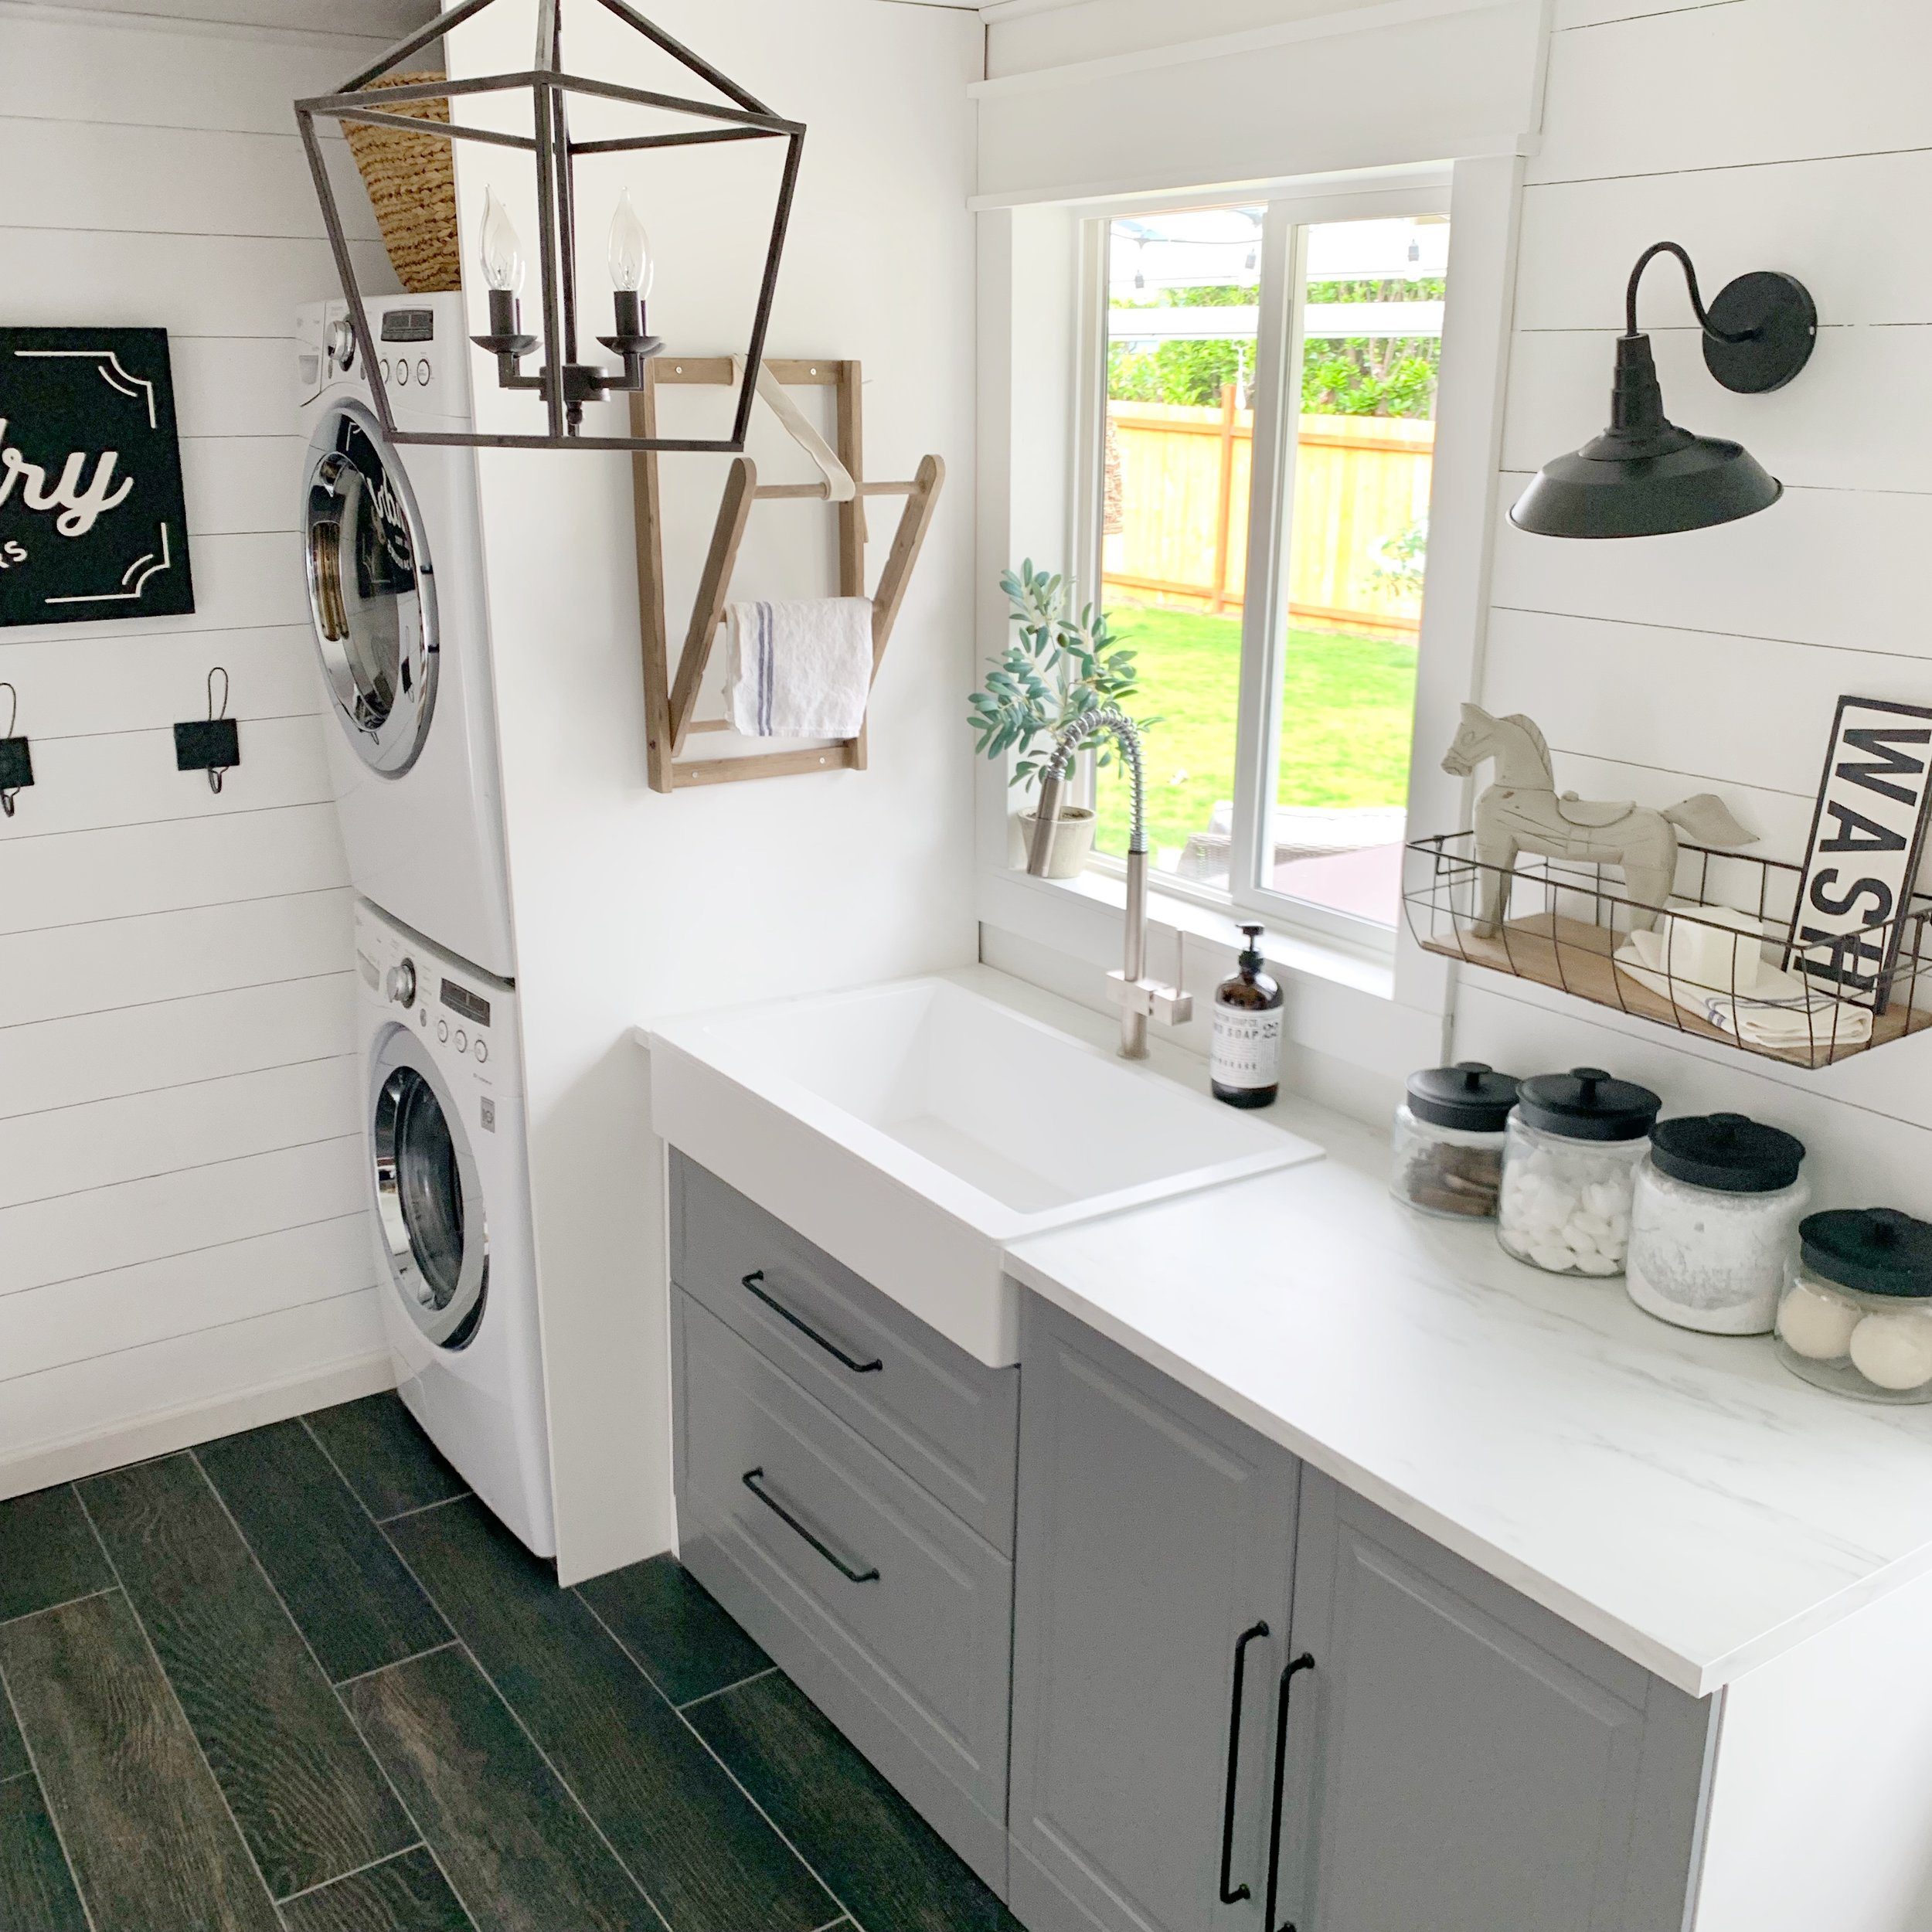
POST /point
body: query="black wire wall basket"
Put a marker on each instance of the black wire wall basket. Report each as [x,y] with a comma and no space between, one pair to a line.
[1570,925]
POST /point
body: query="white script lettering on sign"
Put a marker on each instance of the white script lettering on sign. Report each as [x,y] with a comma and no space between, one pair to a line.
[80,504]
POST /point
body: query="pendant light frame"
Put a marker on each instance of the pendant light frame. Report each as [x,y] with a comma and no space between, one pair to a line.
[564,382]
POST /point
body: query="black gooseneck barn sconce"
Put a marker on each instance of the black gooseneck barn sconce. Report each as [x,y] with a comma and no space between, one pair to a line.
[1645,476]
[563,380]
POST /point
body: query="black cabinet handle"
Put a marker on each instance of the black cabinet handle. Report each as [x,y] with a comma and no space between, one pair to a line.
[1228,1796]
[832,1348]
[753,1477]
[1305,1662]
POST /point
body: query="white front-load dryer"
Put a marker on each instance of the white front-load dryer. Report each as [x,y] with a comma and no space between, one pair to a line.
[394,563]
[449,1181]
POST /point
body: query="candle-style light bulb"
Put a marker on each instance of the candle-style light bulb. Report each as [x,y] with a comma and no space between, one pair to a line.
[503,263]
[632,270]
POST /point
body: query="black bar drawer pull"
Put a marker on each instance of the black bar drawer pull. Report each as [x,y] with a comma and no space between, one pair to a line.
[1241,1643]
[1305,1662]
[832,1348]
[753,1477]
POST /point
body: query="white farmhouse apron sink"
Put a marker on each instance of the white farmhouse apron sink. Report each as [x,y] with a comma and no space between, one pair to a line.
[913,1130]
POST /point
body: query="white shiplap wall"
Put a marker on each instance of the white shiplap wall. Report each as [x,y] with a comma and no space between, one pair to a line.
[182,1243]
[1761,134]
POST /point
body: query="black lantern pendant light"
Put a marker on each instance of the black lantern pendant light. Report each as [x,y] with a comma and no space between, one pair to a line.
[1645,476]
[564,381]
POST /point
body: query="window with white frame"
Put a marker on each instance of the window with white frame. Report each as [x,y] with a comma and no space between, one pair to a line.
[1258,454]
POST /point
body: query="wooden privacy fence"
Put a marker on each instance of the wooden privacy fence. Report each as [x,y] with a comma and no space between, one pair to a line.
[1177,521]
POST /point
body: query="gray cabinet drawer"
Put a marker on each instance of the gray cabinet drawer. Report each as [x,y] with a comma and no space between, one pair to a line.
[950,1422]
[894,1618]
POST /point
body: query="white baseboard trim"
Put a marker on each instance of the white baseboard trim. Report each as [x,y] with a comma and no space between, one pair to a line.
[161,1431]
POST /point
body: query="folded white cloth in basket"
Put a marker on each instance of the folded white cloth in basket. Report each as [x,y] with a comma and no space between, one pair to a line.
[1783,1011]
[801,669]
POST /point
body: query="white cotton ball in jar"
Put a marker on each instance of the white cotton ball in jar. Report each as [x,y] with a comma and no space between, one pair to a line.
[1893,1351]
[1606,1198]
[1817,1325]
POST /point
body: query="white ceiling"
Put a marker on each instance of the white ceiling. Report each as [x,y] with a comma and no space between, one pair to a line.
[377,19]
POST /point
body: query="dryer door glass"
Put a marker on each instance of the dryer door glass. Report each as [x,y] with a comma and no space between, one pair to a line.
[371,589]
[427,1200]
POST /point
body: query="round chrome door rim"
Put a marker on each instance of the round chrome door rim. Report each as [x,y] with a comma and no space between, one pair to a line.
[393,745]
[453,1325]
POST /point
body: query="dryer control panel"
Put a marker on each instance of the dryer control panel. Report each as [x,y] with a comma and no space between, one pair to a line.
[421,349]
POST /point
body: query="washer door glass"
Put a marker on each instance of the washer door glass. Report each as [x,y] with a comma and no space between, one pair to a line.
[427,1198]
[370,589]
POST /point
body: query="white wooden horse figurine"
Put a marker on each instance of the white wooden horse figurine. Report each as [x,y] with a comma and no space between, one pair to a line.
[1521,812]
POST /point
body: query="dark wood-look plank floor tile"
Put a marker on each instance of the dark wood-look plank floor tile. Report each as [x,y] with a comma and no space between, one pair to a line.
[674,1628]
[152,1844]
[13,1753]
[408,1894]
[310,1800]
[513,1842]
[341,1581]
[888,1866]
[36,1889]
[48,1555]
[384,1456]
[709,1861]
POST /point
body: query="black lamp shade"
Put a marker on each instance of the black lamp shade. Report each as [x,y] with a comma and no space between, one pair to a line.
[1644,476]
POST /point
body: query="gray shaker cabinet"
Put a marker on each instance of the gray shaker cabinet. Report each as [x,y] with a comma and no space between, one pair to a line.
[1459,1759]
[1454,1759]
[1153,1533]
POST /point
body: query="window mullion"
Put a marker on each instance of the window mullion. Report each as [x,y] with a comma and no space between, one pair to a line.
[1264,606]
[1089,419]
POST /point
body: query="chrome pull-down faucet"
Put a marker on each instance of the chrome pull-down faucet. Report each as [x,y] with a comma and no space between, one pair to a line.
[1139,996]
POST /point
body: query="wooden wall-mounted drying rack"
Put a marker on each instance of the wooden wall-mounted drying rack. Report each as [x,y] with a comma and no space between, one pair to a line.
[669,698]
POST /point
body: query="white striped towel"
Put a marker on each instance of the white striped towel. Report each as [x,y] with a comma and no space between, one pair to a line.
[801,669]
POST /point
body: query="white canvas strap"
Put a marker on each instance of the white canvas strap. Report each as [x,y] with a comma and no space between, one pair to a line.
[839,486]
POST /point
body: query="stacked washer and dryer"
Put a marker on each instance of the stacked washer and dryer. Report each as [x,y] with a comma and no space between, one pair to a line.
[396,597]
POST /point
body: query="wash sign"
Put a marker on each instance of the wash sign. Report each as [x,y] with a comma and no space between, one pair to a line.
[92,524]
[1867,839]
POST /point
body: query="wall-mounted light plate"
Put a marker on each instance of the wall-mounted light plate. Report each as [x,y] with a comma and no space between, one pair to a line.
[1777,315]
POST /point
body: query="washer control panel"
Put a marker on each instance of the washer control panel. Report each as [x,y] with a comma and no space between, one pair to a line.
[457,1013]
[472,1007]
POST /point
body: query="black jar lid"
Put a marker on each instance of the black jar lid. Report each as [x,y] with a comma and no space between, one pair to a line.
[1587,1104]
[1726,1152]
[1471,1095]
[1878,1250]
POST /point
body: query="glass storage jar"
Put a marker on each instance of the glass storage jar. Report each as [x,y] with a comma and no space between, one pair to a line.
[1714,1222]
[1856,1317]
[1569,1165]
[1448,1140]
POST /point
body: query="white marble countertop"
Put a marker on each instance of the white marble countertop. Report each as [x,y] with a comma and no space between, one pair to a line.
[1683,1497]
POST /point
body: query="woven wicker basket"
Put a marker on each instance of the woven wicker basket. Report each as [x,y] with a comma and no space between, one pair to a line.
[412,185]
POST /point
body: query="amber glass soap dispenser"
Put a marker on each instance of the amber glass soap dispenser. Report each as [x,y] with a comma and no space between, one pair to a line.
[1245,1065]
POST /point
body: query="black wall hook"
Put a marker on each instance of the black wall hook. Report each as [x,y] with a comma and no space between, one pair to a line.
[212,744]
[16,755]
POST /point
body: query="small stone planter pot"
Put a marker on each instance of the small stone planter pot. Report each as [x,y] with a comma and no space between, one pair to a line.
[1072,844]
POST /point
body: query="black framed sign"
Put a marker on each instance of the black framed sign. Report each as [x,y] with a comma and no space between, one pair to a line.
[92,523]
[1868,835]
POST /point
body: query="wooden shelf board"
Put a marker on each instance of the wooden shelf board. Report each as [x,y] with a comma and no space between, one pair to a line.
[1572,956]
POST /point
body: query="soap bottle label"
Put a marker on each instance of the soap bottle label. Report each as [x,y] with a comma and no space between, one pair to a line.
[1247,1047]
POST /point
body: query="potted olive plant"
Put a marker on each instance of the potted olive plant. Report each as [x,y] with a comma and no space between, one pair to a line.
[1059,667]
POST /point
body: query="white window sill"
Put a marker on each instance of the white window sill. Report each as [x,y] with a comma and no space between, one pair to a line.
[1084,916]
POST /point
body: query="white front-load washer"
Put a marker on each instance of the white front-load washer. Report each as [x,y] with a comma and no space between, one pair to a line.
[449,1181]
[394,557]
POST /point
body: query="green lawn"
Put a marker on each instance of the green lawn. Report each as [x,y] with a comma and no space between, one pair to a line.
[1347,708]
